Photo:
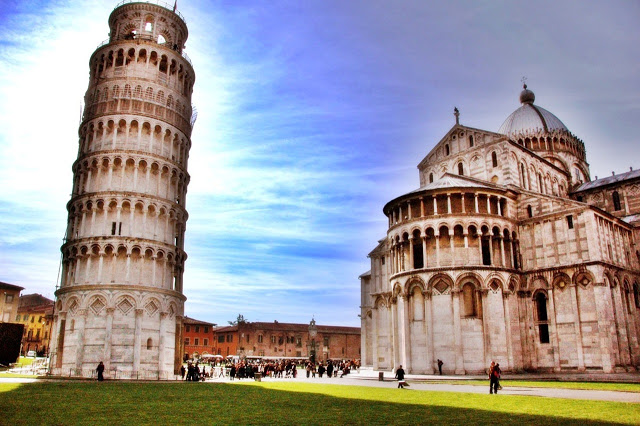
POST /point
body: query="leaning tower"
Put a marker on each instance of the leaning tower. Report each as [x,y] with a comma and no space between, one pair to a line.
[120,299]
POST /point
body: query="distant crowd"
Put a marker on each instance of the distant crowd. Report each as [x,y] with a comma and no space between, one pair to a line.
[288,369]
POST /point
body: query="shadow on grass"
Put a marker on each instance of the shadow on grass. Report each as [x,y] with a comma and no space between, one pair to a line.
[124,403]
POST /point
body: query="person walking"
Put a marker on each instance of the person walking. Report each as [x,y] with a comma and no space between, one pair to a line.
[494,379]
[491,367]
[400,377]
[182,371]
[440,366]
[100,370]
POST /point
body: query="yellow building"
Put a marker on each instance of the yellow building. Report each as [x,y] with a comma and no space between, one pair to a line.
[36,313]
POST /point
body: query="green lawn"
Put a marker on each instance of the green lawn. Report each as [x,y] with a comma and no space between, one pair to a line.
[161,403]
[623,387]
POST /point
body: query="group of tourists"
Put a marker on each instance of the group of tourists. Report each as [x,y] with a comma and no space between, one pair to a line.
[332,368]
[248,369]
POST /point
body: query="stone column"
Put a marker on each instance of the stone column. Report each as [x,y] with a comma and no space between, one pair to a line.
[488,353]
[463,207]
[58,350]
[457,332]
[465,235]
[429,324]
[163,373]
[435,205]
[137,342]
[553,330]
[374,338]
[603,327]
[107,339]
[573,288]
[449,203]
[393,333]
[424,251]
[80,324]
[475,199]
[507,324]
[621,329]
[411,262]
[452,248]
[421,207]
[403,337]
[437,237]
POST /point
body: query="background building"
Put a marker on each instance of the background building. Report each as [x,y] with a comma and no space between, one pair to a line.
[121,298]
[507,252]
[36,313]
[278,340]
[9,301]
[198,338]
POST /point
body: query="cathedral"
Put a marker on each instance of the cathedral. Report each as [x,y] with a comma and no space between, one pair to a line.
[507,252]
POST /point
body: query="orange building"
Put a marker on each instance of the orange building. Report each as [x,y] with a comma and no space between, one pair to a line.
[198,337]
[278,340]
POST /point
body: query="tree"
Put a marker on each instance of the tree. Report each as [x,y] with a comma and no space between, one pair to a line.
[238,321]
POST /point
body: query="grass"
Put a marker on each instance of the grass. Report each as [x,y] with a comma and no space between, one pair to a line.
[17,375]
[23,361]
[126,403]
[622,387]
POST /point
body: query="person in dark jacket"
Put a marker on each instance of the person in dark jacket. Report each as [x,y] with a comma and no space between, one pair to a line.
[100,370]
[400,377]
[329,369]
[494,378]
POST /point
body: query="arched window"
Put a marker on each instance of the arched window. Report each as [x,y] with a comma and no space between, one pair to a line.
[636,294]
[627,298]
[469,300]
[543,319]
[523,176]
[494,159]
[460,169]
[470,141]
[540,187]
[616,201]
[149,343]
[529,211]
[430,177]
[446,149]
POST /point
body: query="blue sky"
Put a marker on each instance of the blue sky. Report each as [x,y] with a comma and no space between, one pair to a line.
[311,116]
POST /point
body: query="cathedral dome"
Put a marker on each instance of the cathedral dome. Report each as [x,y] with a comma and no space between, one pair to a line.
[530,118]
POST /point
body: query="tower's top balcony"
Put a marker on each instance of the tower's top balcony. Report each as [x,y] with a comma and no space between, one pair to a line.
[148,20]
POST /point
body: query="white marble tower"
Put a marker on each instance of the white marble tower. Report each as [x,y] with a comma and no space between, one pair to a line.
[120,299]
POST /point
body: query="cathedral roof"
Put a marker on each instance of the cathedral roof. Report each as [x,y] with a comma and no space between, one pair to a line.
[451,181]
[633,174]
[530,118]
[447,181]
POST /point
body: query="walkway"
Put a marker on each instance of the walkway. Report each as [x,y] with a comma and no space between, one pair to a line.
[422,382]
